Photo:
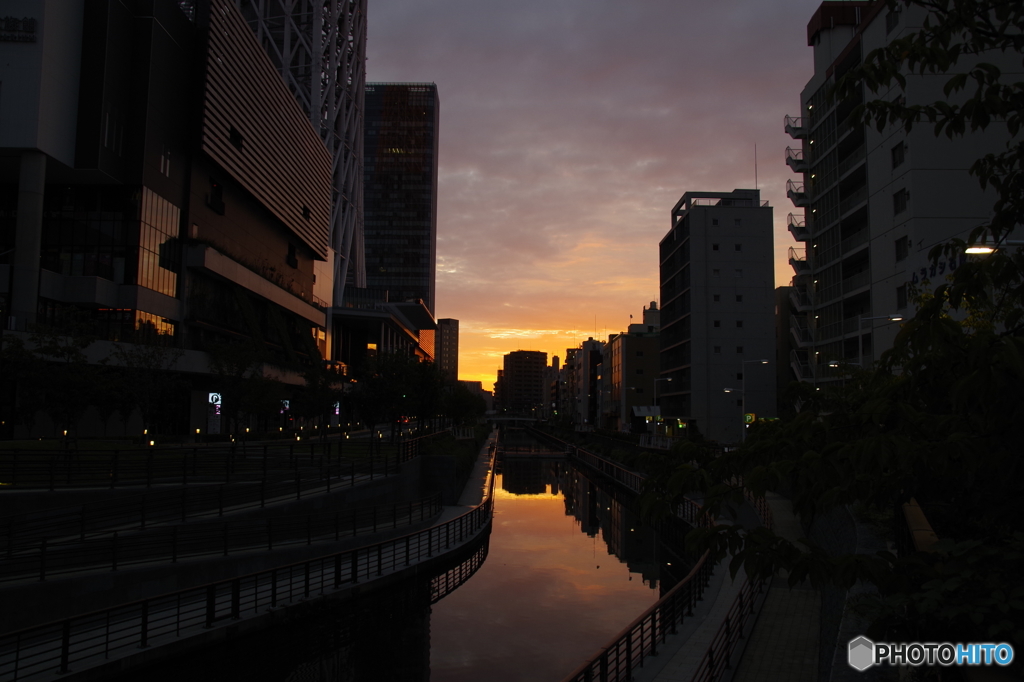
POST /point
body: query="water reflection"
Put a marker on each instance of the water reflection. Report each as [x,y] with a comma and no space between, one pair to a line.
[570,565]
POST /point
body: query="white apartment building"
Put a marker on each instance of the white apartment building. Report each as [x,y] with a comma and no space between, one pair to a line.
[717,314]
[874,203]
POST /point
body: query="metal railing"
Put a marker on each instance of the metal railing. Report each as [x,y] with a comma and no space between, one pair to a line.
[617,660]
[179,504]
[151,466]
[115,550]
[91,639]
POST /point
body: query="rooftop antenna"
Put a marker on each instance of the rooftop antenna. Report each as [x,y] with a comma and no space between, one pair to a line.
[755,165]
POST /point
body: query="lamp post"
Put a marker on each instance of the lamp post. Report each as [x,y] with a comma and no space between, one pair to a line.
[743,391]
[892,317]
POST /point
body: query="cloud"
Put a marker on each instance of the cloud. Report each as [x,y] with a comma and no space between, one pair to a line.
[570,128]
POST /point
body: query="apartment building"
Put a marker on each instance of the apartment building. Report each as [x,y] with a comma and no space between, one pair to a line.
[873,203]
[717,322]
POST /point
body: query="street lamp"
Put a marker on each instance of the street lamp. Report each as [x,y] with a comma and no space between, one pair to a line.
[985,249]
[892,317]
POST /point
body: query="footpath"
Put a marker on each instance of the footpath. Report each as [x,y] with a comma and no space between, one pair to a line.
[781,644]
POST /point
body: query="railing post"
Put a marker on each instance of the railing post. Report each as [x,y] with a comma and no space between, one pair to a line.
[226,540]
[355,566]
[144,626]
[337,571]
[113,552]
[236,599]
[604,666]
[211,605]
[220,501]
[273,588]
[65,647]
[42,561]
[174,544]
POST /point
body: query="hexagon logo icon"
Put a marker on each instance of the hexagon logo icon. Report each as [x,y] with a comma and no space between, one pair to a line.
[861,653]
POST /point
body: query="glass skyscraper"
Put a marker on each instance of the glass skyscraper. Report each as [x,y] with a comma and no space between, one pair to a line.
[400,190]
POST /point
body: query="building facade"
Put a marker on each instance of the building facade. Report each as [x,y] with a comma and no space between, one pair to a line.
[717,322]
[446,353]
[400,190]
[522,381]
[158,177]
[874,203]
[632,364]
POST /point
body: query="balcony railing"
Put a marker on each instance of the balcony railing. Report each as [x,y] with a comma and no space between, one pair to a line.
[798,228]
[795,127]
[851,161]
[798,259]
[801,301]
[861,279]
[800,367]
[801,333]
[852,242]
[797,194]
[795,160]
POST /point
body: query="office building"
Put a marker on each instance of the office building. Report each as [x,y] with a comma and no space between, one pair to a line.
[446,353]
[157,175]
[874,203]
[585,383]
[522,381]
[400,190]
[717,322]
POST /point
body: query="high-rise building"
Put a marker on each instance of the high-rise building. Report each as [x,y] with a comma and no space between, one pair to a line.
[319,49]
[400,190]
[875,201]
[717,322]
[585,367]
[136,199]
[522,381]
[446,353]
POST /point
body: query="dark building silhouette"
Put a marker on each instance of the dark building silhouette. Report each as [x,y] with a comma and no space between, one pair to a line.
[400,189]
[522,382]
[446,349]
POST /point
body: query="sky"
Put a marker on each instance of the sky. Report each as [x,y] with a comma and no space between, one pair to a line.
[569,129]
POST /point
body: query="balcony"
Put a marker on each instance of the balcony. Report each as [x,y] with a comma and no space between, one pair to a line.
[795,160]
[798,259]
[858,281]
[795,192]
[853,201]
[801,332]
[795,127]
[854,159]
[799,366]
[798,228]
[800,300]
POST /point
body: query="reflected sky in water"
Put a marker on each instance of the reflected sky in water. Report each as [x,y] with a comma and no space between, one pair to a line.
[548,596]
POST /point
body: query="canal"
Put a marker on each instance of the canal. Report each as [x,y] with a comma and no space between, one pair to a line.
[567,565]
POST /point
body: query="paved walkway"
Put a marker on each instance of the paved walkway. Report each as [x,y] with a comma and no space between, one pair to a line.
[782,644]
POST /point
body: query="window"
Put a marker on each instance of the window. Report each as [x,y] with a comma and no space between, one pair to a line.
[739,324]
[293,258]
[165,162]
[739,247]
[899,202]
[714,221]
[718,349]
[737,222]
[902,249]
[714,247]
[898,155]
[717,298]
[640,370]
[892,20]
[716,272]
[739,376]
[739,272]
[739,298]
[739,403]
[306,213]
[901,297]
[639,353]
[639,389]
[717,323]
[215,200]
[739,349]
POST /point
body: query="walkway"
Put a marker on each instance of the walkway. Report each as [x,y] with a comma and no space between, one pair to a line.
[783,643]
[127,636]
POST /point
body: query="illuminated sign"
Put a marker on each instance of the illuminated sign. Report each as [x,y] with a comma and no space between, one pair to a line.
[749,418]
[215,399]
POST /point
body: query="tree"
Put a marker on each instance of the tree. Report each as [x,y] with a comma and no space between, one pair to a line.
[937,418]
[145,377]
